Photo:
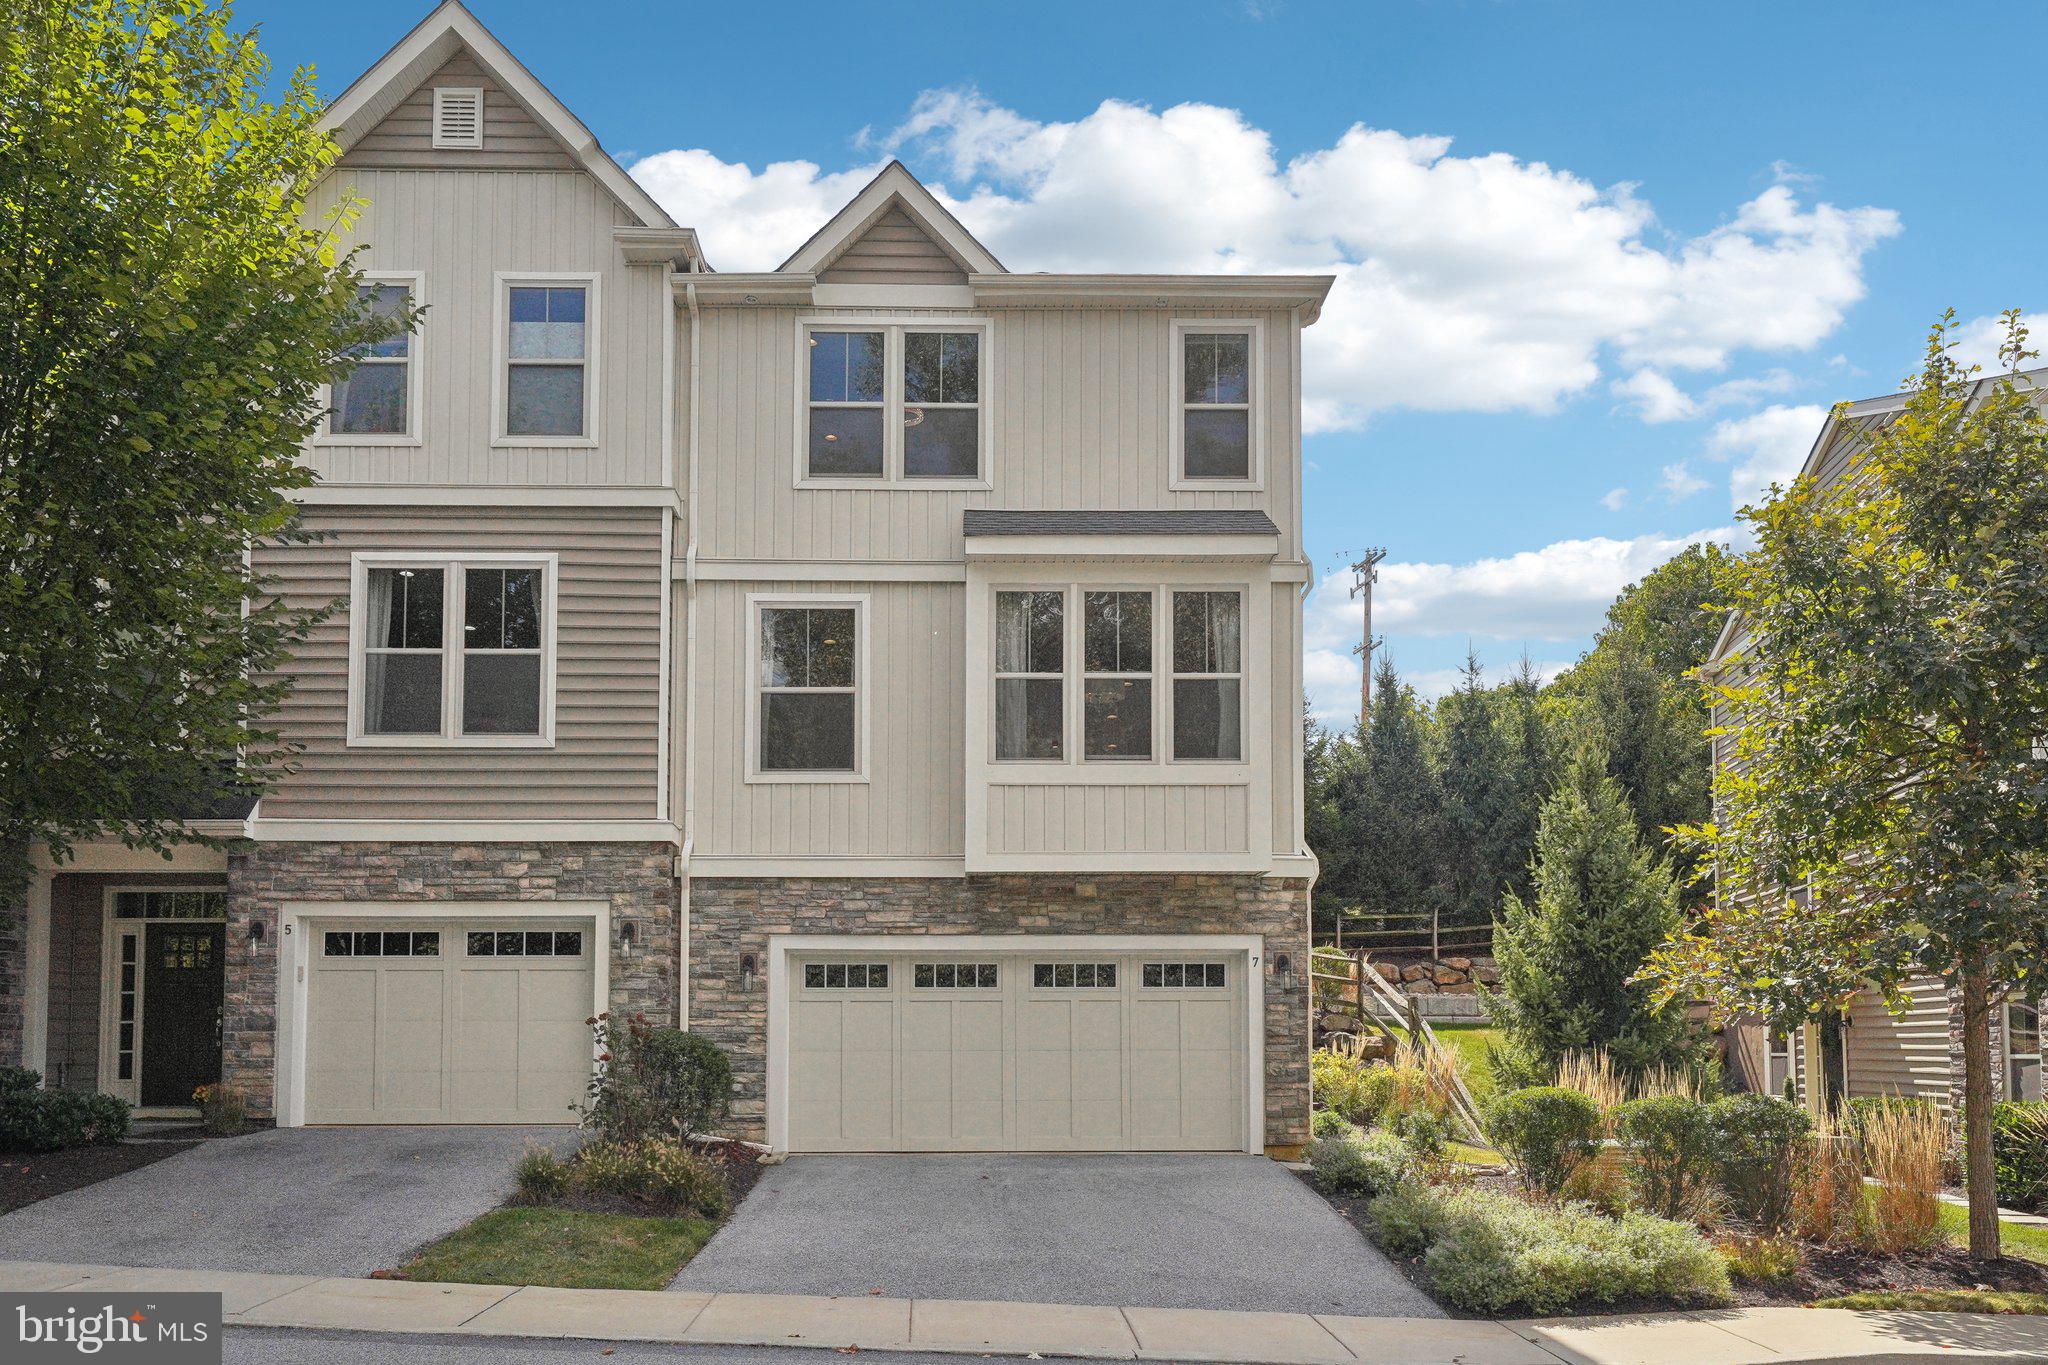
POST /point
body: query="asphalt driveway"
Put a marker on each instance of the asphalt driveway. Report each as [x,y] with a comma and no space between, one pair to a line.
[294,1201]
[1237,1232]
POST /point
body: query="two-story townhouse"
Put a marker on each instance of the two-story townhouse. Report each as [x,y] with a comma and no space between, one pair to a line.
[1868,1049]
[887,665]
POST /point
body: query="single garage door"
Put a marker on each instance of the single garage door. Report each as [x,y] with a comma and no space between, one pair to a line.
[457,1022]
[1017,1052]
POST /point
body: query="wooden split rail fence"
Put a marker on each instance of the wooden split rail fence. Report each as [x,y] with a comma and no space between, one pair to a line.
[1362,992]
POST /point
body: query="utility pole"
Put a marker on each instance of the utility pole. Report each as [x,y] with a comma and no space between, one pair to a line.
[1364,574]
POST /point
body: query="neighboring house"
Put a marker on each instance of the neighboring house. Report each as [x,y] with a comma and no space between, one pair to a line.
[1869,1050]
[887,666]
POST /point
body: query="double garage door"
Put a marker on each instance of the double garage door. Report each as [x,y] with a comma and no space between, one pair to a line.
[447,1022]
[1013,1051]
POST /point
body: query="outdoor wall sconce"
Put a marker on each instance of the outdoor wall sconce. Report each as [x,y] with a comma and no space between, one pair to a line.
[747,968]
[255,931]
[1283,970]
[626,939]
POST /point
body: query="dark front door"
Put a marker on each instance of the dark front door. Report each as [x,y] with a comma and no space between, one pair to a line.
[181,1003]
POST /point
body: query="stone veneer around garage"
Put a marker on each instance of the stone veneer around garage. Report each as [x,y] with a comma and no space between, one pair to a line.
[637,879]
[730,917]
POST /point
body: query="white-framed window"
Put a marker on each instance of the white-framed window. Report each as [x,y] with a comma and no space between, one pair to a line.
[1116,675]
[378,403]
[892,402]
[2022,1049]
[452,649]
[547,362]
[807,717]
[1208,676]
[459,117]
[1031,675]
[1218,386]
[1778,1063]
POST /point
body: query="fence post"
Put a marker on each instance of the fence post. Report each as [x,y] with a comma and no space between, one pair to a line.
[1436,948]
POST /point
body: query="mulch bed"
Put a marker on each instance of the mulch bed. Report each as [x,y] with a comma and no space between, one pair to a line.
[26,1177]
[1825,1271]
[742,1167]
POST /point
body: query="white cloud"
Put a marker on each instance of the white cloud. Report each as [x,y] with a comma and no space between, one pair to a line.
[1479,282]
[1770,446]
[1557,593]
[1977,341]
[1655,397]
[1679,482]
[1614,499]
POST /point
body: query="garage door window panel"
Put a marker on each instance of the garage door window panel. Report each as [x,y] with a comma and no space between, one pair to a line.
[839,976]
[947,976]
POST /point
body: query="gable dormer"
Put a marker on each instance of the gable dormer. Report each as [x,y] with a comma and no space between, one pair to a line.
[895,250]
[894,232]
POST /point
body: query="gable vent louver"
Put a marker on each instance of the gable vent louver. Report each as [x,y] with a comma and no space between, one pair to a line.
[458,117]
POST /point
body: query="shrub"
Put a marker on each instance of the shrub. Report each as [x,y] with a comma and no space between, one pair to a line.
[1546,1131]
[655,1082]
[33,1119]
[1758,1140]
[223,1110]
[1426,1133]
[1601,1183]
[1905,1147]
[541,1177]
[1671,1148]
[2019,1149]
[1761,1260]
[658,1171]
[1491,1252]
[1329,1123]
[1349,1086]
[1360,1164]
[1404,1219]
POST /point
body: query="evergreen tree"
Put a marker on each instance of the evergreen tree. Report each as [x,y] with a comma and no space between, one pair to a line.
[1529,763]
[1602,903]
[1478,797]
[1324,757]
[1394,806]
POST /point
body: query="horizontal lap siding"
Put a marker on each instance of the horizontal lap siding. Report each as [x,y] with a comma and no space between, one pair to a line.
[458,230]
[513,139]
[1900,1054]
[604,765]
[894,251]
[912,804]
[1082,419]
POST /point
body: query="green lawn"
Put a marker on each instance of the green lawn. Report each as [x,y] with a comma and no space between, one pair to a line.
[2017,1239]
[1472,1042]
[564,1248]
[1942,1301]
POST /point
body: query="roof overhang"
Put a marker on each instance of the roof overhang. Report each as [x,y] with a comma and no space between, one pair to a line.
[436,38]
[1156,291]
[678,247]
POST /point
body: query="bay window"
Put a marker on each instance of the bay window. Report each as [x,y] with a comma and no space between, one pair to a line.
[452,650]
[1208,675]
[1031,692]
[1116,696]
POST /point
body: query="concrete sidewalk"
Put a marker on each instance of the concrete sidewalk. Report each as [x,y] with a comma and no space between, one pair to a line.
[1731,1337]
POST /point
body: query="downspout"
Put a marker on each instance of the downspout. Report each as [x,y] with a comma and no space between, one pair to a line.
[690,644]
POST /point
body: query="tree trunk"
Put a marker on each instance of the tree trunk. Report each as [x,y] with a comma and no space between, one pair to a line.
[1979,1180]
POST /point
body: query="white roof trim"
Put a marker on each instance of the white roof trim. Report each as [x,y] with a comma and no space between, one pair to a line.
[894,186]
[423,51]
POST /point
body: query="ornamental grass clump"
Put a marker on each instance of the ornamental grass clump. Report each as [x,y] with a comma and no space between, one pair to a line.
[1348,1085]
[1905,1147]
[1827,1201]
[1547,1131]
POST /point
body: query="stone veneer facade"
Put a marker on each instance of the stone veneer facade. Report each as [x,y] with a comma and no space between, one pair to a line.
[637,879]
[731,917]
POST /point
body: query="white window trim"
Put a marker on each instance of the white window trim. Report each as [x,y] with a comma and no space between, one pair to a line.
[502,284]
[451,562]
[1078,638]
[893,327]
[1243,674]
[1255,330]
[415,360]
[2005,1032]
[863,684]
[1065,675]
[441,92]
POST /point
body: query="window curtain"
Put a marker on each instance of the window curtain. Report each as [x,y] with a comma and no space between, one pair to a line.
[377,618]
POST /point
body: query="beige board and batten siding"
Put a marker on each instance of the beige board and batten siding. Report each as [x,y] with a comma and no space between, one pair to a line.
[605,760]
[894,250]
[513,139]
[1082,418]
[459,230]
[911,804]
[1282,690]
[1091,818]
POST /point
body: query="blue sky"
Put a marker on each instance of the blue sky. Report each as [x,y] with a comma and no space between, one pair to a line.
[1602,265]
